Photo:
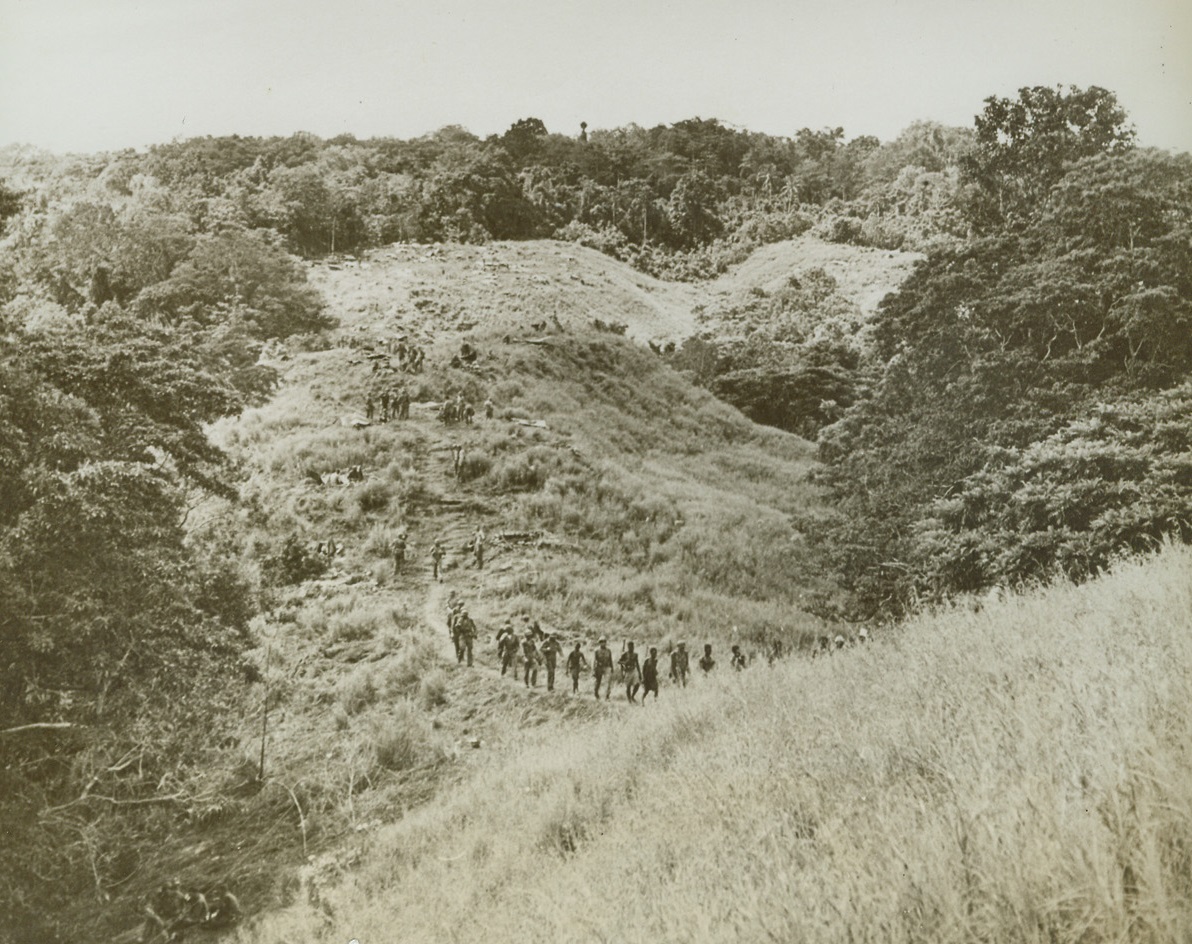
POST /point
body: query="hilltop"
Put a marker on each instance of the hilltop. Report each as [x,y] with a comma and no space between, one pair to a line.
[504,286]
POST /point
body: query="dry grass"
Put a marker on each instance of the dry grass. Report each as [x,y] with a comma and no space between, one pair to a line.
[1022,773]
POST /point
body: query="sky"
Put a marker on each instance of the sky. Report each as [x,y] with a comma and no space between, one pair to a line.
[87,75]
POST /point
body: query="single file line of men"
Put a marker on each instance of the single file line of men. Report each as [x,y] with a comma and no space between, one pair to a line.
[534,648]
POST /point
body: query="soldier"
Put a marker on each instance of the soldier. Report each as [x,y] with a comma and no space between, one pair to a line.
[467,636]
[575,664]
[738,660]
[631,672]
[399,552]
[602,667]
[839,642]
[507,646]
[436,559]
[650,675]
[452,623]
[551,650]
[404,404]
[863,635]
[385,405]
[706,662]
[679,665]
[468,413]
[488,409]
[369,408]
[530,661]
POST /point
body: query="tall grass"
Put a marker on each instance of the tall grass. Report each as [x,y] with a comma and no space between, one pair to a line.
[1022,773]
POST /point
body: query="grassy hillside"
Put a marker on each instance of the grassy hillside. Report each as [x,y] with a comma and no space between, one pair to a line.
[618,500]
[1018,772]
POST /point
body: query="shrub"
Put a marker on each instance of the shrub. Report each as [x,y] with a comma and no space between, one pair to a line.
[403,676]
[433,689]
[402,741]
[373,497]
[474,467]
[293,563]
[357,690]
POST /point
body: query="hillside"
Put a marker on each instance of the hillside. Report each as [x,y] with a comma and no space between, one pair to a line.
[1017,773]
[617,499]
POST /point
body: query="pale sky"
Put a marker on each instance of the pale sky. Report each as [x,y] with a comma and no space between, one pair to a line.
[85,75]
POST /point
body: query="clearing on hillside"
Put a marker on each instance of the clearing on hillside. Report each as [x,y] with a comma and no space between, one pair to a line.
[510,286]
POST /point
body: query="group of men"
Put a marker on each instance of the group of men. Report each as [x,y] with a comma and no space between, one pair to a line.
[394,403]
[409,356]
[533,647]
[457,410]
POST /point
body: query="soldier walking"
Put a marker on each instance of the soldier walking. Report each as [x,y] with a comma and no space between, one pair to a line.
[467,636]
[507,647]
[530,661]
[436,559]
[631,672]
[576,663]
[602,667]
[399,553]
[706,662]
[551,650]
[650,675]
[679,665]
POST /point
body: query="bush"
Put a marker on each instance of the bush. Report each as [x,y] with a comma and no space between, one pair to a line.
[474,467]
[403,676]
[403,740]
[433,689]
[357,691]
[293,563]
[373,497]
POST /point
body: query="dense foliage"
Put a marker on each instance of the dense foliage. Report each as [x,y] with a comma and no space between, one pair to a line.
[682,200]
[1027,411]
[127,324]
